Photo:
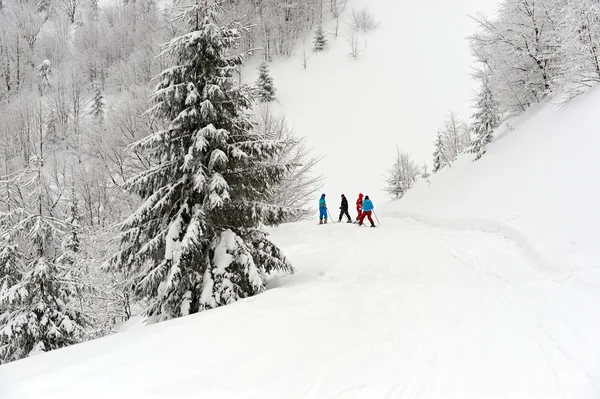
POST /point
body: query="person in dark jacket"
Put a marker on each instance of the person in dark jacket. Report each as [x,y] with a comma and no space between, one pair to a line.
[367,209]
[344,209]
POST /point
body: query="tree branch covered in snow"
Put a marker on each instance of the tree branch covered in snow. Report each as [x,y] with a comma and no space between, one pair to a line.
[453,139]
[402,175]
[300,182]
[531,50]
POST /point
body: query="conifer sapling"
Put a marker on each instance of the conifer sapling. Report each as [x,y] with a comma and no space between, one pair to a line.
[320,39]
[486,118]
[266,88]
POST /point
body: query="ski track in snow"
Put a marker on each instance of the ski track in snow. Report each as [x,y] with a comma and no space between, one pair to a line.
[406,310]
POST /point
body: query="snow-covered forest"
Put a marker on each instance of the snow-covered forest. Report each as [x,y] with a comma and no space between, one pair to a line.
[77,161]
[123,195]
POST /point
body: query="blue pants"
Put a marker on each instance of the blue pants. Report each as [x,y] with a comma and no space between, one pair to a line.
[322,213]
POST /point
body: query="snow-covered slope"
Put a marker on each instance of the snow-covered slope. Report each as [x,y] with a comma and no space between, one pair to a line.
[403,311]
[538,184]
[492,292]
[413,68]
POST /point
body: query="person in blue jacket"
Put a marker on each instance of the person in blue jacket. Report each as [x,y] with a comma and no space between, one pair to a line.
[367,209]
[322,210]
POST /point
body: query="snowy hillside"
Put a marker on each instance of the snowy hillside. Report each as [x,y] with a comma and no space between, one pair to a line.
[441,309]
[411,70]
[481,283]
[404,311]
[537,185]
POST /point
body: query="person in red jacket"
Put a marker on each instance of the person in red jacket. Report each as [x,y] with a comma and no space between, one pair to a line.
[359,203]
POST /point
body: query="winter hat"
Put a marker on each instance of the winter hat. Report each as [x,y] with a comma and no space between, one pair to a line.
[360,195]
[322,195]
[367,197]
[343,195]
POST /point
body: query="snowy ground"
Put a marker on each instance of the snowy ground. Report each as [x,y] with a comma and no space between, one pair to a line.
[407,310]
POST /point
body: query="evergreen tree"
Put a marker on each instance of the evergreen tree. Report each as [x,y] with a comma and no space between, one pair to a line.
[320,39]
[38,306]
[486,118]
[195,243]
[266,89]
[439,160]
[10,265]
[97,110]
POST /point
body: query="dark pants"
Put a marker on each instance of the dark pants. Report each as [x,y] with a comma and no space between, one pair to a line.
[345,212]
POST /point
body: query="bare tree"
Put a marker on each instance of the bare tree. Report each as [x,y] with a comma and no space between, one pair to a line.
[29,21]
[579,50]
[520,47]
[402,175]
[363,20]
[425,174]
[456,137]
[353,44]
[337,8]
[70,8]
[304,55]
[301,182]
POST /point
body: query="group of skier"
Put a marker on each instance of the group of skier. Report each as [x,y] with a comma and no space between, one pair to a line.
[364,208]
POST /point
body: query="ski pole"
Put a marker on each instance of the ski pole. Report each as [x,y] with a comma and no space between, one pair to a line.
[376,218]
[332,221]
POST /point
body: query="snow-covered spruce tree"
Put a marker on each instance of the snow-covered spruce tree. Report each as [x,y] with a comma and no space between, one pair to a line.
[439,159]
[486,117]
[11,259]
[266,89]
[11,269]
[402,175]
[320,39]
[39,307]
[97,109]
[195,243]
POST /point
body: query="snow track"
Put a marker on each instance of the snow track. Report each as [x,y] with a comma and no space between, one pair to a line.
[406,310]
[542,263]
